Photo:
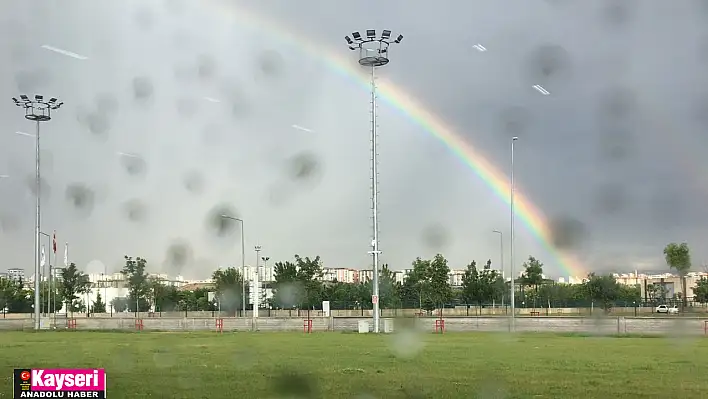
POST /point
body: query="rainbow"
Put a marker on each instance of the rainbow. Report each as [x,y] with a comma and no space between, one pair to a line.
[532,217]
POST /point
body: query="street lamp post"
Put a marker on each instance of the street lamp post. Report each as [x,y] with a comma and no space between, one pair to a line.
[265,260]
[511,251]
[256,286]
[373,53]
[37,110]
[243,264]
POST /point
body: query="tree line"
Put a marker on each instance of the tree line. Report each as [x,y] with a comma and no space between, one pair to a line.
[298,285]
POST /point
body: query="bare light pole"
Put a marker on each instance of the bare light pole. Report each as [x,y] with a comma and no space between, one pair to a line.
[37,110]
[511,251]
[256,286]
[373,53]
[243,264]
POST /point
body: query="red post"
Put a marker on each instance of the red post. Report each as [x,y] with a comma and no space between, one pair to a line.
[220,325]
[440,326]
[139,324]
[307,326]
[71,324]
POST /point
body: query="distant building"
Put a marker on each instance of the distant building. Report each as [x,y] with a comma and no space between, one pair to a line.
[340,274]
[456,277]
[670,283]
[16,274]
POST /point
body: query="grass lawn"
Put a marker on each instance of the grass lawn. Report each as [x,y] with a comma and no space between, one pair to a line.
[341,365]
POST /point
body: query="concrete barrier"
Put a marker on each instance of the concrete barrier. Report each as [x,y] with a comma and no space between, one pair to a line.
[679,326]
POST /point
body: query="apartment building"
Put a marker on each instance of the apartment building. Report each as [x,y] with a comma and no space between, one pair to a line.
[341,274]
[16,274]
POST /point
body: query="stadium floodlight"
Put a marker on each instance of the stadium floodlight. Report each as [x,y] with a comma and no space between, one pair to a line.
[37,110]
[349,40]
[373,53]
[398,39]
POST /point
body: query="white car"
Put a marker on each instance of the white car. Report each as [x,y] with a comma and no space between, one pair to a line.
[668,310]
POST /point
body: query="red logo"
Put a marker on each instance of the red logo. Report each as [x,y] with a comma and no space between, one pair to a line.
[25,375]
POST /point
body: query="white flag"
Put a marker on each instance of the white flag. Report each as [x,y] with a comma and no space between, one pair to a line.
[66,255]
[43,261]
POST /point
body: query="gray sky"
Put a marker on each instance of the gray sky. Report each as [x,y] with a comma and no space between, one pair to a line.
[614,156]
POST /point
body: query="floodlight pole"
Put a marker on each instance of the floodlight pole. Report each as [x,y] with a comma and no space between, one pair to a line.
[373,53]
[511,251]
[37,110]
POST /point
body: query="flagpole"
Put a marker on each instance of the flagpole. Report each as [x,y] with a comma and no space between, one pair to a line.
[43,271]
[66,264]
[51,278]
[49,290]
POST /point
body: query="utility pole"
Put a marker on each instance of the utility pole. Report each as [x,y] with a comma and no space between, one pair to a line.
[373,53]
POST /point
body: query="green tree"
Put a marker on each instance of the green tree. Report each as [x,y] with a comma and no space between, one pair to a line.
[298,284]
[482,286]
[700,292]
[440,290]
[139,289]
[657,293]
[678,257]
[165,298]
[416,285]
[288,290]
[493,280]
[389,290]
[98,305]
[533,273]
[197,300]
[471,292]
[119,304]
[229,289]
[14,298]
[8,290]
[310,274]
[602,289]
[72,284]
[629,294]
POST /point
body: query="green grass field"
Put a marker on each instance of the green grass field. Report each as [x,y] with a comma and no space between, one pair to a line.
[340,365]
